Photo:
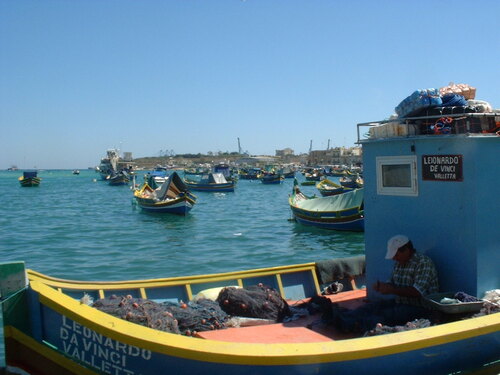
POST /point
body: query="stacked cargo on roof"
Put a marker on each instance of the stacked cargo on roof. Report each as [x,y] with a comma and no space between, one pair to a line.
[452,109]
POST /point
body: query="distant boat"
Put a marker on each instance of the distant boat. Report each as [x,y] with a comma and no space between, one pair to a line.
[327,187]
[226,170]
[171,197]
[347,182]
[159,177]
[160,167]
[196,171]
[338,212]
[308,183]
[76,171]
[211,182]
[336,172]
[249,173]
[29,179]
[288,173]
[314,175]
[119,178]
[108,164]
[272,178]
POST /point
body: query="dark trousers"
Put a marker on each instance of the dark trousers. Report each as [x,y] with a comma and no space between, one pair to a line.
[386,312]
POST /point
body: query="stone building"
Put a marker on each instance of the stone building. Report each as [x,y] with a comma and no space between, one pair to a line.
[336,156]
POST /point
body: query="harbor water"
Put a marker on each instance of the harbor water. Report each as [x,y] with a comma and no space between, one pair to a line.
[79,227]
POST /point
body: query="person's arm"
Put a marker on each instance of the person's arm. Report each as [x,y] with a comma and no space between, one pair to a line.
[402,291]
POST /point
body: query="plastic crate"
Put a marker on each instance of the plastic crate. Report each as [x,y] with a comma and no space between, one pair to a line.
[432,301]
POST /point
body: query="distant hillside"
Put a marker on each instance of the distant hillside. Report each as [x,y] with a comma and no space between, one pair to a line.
[184,160]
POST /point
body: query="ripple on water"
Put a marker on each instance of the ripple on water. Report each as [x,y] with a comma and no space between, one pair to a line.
[73,227]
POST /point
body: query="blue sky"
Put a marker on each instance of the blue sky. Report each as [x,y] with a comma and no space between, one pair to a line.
[80,76]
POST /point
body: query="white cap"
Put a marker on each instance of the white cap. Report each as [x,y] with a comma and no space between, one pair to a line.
[394,244]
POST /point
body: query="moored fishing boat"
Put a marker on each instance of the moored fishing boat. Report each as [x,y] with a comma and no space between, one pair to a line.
[159,177]
[314,175]
[67,336]
[338,212]
[327,187]
[109,164]
[249,173]
[29,179]
[336,172]
[198,171]
[171,197]
[214,182]
[308,183]
[118,178]
[225,169]
[288,172]
[271,178]
[349,182]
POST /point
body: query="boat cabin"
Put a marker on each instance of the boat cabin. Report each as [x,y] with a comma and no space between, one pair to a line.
[437,190]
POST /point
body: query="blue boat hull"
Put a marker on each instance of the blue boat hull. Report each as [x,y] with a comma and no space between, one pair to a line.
[181,207]
[49,330]
[356,224]
[229,187]
[94,353]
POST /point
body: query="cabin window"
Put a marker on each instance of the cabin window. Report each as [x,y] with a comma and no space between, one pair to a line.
[397,175]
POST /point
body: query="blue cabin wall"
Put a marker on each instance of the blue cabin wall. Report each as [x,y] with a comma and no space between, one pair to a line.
[455,223]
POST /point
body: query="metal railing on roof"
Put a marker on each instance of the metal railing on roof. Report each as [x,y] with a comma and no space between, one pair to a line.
[413,120]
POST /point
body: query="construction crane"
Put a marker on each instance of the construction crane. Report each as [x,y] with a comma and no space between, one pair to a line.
[328,147]
[310,146]
[239,146]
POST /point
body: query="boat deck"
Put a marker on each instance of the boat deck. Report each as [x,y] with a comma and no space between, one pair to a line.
[303,330]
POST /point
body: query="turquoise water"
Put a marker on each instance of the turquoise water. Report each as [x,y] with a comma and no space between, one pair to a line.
[79,227]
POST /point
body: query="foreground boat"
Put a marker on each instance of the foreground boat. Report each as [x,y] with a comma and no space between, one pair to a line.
[29,179]
[47,318]
[215,182]
[338,212]
[171,197]
[327,187]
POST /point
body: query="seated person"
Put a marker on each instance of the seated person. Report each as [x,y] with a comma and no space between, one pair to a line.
[414,275]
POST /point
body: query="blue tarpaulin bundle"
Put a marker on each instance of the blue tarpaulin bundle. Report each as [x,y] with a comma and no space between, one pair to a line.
[453,100]
[417,101]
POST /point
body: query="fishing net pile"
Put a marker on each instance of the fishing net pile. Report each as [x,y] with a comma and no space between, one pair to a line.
[203,314]
[255,301]
[182,318]
[464,297]
[381,329]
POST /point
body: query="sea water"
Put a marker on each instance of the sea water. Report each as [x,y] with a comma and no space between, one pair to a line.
[79,227]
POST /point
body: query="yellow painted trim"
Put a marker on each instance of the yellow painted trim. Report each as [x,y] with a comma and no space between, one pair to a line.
[101,293]
[240,283]
[152,283]
[280,285]
[143,293]
[189,292]
[46,352]
[262,354]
